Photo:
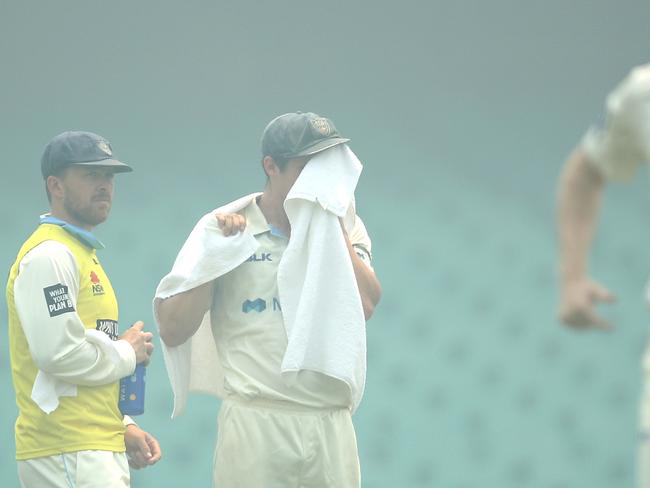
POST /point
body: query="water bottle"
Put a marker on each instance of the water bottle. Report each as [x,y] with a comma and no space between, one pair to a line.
[132,392]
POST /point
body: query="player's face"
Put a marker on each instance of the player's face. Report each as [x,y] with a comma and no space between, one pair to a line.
[87,194]
[288,176]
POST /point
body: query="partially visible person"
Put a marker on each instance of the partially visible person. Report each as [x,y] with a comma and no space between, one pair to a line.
[611,153]
[66,354]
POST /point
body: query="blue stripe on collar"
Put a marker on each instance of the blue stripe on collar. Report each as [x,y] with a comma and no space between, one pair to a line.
[82,234]
[275,231]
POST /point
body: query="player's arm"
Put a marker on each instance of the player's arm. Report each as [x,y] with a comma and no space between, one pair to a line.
[359,248]
[45,293]
[580,192]
[180,316]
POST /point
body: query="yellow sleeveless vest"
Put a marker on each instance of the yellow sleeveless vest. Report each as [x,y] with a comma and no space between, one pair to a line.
[91,420]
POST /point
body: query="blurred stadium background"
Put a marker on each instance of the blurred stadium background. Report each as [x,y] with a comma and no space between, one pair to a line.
[462,112]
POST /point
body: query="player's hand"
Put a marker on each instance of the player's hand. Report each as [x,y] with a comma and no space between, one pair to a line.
[578,304]
[140,341]
[142,449]
[231,224]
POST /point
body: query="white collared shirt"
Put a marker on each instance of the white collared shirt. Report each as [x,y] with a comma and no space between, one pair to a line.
[624,143]
[249,331]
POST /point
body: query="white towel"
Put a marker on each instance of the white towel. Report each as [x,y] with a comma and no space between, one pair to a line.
[47,389]
[206,255]
[321,305]
[320,300]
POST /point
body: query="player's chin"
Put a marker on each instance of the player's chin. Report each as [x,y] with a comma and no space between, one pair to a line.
[103,206]
[100,213]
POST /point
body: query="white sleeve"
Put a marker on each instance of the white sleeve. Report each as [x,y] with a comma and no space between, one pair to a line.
[360,241]
[45,293]
[623,143]
[126,421]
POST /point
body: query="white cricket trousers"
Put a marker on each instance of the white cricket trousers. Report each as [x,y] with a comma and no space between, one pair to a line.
[81,469]
[262,446]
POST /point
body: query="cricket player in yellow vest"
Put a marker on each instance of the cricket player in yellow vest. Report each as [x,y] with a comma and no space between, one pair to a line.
[67,356]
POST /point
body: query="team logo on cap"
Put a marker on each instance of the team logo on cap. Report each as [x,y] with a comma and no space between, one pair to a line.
[105,148]
[322,126]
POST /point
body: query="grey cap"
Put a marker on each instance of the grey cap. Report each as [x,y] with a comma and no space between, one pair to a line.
[299,134]
[79,147]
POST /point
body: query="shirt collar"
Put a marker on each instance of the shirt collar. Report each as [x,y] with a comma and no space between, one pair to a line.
[256,222]
[81,234]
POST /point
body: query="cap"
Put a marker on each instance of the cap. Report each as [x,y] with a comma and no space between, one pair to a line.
[298,134]
[79,147]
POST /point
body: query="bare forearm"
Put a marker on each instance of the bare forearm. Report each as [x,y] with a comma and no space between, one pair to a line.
[579,196]
[369,287]
[367,282]
[180,316]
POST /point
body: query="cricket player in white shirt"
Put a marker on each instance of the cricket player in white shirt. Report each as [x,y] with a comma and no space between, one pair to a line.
[610,153]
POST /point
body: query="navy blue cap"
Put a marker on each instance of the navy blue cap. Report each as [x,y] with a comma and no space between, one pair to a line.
[82,148]
[299,134]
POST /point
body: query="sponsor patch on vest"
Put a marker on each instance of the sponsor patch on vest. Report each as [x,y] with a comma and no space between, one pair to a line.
[108,327]
[58,299]
[97,287]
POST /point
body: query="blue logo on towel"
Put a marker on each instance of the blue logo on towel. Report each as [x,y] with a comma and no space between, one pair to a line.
[258,305]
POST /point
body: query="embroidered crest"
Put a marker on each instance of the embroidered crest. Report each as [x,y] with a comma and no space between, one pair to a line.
[105,148]
[322,126]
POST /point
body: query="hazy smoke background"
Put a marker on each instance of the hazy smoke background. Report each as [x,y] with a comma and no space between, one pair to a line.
[462,113]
